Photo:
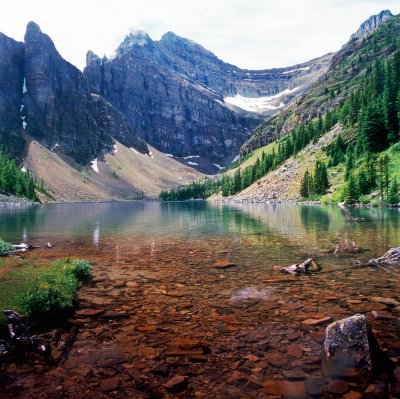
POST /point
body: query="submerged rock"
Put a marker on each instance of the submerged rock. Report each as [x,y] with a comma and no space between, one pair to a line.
[350,344]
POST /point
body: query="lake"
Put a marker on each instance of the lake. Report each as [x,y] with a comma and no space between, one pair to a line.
[228,333]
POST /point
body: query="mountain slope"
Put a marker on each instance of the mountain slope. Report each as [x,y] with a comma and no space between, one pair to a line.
[124,174]
[185,101]
[347,67]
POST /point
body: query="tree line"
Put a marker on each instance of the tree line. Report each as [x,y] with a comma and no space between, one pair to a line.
[13,180]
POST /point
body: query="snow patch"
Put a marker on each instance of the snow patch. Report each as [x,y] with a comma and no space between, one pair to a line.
[169,155]
[236,158]
[115,148]
[296,70]
[151,154]
[259,104]
[23,169]
[22,108]
[192,163]
[95,166]
[136,152]
[24,124]
[191,156]
[218,166]
[24,89]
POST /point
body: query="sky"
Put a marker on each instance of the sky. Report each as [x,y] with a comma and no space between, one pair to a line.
[253,34]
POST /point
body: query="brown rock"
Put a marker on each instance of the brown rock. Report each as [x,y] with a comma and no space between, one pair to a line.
[386,301]
[317,322]
[337,387]
[147,328]
[119,284]
[276,359]
[89,312]
[224,264]
[295,351]
[113,315]
[229,319]
[382,315]
[237,379]
[110,384]
[284,388]
[294,375]
[177,383]
[353,395]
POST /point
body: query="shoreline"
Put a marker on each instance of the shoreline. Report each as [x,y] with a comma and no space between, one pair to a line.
[10,201]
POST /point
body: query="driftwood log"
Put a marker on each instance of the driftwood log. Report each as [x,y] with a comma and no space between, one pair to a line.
[299,268]
[390,259]
[21,341]
[346,213]
[23,247]
[345,246]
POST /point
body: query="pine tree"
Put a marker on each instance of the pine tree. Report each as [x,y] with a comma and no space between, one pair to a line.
[351,193]
[393,194]
[305,185]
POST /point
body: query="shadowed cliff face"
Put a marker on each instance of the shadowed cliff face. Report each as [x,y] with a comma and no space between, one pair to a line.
[61,112]
[172,91]
[45,96]
[11,83]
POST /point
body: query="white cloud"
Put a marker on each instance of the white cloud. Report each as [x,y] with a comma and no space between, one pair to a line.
[250,34]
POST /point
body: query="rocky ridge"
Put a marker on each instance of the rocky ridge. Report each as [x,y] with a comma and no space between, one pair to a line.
[174,92]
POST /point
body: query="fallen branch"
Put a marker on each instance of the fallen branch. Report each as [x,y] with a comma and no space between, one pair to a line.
[390,259]
[21,341]
[23,247]
[299,268]
[346,246]
[346,213]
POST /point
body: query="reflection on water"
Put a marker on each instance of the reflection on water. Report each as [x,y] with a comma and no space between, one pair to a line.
[278,233]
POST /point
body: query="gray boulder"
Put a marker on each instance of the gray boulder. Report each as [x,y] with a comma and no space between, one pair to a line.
[351,348]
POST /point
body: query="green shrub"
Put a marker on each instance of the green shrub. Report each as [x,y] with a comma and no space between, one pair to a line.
[5,247]
[82,270]
[51,292]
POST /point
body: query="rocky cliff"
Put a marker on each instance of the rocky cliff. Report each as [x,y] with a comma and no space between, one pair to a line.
[184,100]
[11,87]
[45,97]
[371,24]
[335,85]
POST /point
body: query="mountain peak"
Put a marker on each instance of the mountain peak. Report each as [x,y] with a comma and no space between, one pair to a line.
[136,38]
[372,23]
[33,29]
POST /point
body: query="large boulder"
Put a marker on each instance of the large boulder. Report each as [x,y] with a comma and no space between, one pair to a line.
[351,348]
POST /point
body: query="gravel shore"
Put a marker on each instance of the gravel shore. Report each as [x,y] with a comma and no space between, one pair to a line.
[10,201]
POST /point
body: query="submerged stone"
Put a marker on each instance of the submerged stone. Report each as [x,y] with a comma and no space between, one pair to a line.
[350,344]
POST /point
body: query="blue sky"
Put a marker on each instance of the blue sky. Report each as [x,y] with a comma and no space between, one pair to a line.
[248,33]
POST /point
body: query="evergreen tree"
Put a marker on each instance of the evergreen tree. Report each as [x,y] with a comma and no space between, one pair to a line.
[393,194]
[351,193]
[305,185]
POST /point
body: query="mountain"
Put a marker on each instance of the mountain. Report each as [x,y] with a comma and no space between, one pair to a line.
[184,100]
[339,141]
[347,65]
[371,24]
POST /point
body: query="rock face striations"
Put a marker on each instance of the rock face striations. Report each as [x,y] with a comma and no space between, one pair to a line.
[46,97]
[11,84]
[371,24]
[184,100]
